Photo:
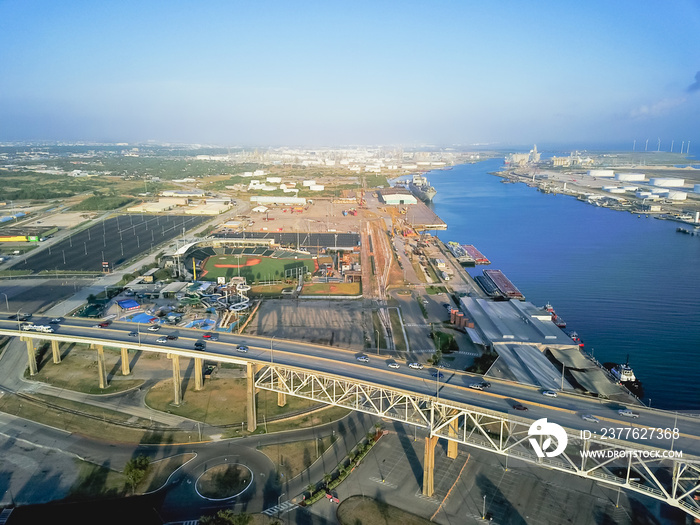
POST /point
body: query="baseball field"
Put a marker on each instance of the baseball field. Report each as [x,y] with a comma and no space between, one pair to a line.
[253,267]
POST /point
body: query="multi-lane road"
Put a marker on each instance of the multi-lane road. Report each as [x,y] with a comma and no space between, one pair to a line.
[566,409]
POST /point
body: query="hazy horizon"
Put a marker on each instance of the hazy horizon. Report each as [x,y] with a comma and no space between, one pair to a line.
[323,74]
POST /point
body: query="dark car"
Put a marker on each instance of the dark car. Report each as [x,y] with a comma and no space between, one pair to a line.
[518,406]
[133,333]
[104,324]
[439,375]
[199,345]
[171,337]
[56,320]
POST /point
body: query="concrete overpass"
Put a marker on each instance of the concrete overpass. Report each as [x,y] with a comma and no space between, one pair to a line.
[639,454]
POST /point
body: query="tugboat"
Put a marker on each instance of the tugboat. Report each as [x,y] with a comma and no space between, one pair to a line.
[625,376]
[576,339]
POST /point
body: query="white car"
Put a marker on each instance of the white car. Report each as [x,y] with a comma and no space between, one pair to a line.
[162,340]
[394,364]
[590,418]
[242,348]
[415,366]
[154,328]
[363,359]
[476,386]
[549,393]
[627,413]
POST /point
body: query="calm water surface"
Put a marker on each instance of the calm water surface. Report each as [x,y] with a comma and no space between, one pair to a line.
[627,285]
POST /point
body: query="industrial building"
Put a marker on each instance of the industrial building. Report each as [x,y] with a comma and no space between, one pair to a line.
[397,196]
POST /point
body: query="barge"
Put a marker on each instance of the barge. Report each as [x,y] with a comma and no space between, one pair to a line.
[503,284]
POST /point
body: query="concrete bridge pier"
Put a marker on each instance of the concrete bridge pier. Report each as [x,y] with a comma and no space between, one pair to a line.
[198,375]
[177,380]
[281,396]
[55,352]
[429,466]
[452,445]
[126,370]
[31,356]
[250,386]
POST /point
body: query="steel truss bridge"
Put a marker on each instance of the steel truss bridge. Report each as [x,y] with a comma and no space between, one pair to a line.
[647,470]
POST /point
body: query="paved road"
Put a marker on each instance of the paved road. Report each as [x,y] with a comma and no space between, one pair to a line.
[565,409]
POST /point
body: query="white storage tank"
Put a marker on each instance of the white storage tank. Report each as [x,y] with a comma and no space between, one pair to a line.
[630,176]
[673,183]
[601,173]
[308,183]
[616,190]
[643,194]
[677,195]
[629,188]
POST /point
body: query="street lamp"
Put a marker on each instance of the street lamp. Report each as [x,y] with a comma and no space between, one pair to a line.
[272,360]
[377,332]
[7,304]
[483,513]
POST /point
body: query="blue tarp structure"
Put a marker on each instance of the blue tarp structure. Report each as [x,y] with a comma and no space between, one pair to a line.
[128,304]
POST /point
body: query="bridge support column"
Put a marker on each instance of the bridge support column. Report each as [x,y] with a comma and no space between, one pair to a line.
[429,466]
[101,368]
[31,356]
[177,380]
[55,352]
[281,396]
[252,416]
[198,376]
[125,362]
[452,445]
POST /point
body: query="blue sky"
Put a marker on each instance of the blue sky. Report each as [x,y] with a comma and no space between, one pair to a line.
[330,73]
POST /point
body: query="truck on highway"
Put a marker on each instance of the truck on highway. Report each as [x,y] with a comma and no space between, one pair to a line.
[37,328]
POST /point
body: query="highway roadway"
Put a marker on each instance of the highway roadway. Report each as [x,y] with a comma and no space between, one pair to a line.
[453,386]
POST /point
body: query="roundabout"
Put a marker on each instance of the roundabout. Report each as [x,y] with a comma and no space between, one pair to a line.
[224,481]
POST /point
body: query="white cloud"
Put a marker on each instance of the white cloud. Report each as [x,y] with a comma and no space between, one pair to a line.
[658,109]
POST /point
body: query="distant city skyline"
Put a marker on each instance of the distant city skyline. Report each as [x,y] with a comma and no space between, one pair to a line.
[326,74]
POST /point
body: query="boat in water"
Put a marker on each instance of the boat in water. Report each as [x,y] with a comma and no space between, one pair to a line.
[420,187]
[555,318]
[624,374]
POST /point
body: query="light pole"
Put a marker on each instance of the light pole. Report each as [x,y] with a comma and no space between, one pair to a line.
[272,360]
[483,512]
[7,304]
[563,369]
[377,332]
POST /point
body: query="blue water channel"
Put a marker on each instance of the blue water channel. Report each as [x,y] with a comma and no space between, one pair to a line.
[626,284]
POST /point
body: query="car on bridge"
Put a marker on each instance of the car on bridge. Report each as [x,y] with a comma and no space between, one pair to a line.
[242,348]
[133,333]
[56,320]
[439,375]
[590,418]
[483,385]
[549,393]
[627,413]
[154,328]
[363,358]
[103,324]
[199,345]
[171,337]
[394,364]
[162,339]
[211,337]
[518,406]
[415,366]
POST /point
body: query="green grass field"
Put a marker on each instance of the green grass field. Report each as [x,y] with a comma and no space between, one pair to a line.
[264,270]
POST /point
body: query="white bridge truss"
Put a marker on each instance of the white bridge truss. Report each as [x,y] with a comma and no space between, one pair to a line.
[632,466]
